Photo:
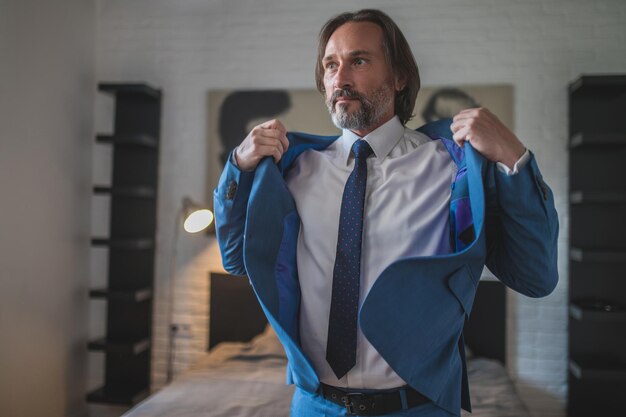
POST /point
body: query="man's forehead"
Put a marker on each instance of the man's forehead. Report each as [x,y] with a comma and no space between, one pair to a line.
[355,38]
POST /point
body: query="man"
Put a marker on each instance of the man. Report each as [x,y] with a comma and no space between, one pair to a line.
[365,250]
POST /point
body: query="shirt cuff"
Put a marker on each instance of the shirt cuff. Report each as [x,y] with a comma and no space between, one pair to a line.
[233,158]
[521,162]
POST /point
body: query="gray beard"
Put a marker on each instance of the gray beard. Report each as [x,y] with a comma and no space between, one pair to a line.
[369,114]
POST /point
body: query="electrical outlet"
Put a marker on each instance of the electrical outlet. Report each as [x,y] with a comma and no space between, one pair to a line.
[182,331]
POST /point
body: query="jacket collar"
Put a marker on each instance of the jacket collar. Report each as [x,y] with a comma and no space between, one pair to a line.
[300,142]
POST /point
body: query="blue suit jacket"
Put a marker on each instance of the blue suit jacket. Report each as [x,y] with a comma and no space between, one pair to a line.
[506,222]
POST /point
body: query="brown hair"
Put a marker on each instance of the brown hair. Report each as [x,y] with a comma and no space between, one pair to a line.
[397,51]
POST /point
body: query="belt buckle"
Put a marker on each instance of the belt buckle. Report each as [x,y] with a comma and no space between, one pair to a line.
[360,405]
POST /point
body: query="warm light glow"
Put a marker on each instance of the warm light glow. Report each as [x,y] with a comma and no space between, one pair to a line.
[198,221]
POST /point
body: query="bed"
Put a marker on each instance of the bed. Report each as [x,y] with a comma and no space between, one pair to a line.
[243,373]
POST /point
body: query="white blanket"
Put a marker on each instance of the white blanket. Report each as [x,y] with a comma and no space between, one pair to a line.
[248,380]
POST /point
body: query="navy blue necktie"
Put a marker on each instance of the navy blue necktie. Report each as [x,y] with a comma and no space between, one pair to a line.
[344,305]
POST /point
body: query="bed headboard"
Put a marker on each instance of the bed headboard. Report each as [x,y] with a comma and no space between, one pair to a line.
[235,315]
[234,312]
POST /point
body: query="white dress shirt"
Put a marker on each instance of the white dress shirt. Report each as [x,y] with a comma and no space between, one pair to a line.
[406,214]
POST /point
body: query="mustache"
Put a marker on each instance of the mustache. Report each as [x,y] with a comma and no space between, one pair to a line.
[346,93]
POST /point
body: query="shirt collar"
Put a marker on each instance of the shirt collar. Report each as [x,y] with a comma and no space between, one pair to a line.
[382,140]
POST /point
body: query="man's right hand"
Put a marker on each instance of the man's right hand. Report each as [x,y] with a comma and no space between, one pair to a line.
[266,139]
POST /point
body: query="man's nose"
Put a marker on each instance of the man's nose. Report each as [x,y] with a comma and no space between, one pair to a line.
[343,77]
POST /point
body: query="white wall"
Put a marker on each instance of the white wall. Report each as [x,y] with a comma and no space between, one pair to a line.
[189,47]
[47,89]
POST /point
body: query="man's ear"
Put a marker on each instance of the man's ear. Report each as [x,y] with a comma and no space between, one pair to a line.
[400,83]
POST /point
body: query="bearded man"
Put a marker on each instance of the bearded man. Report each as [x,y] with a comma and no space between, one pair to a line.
[365,249]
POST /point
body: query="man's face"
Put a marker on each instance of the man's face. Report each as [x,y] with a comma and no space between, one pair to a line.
[360,86]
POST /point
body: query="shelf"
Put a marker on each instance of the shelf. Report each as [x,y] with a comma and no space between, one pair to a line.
[596,249]
[129,139]
[602,368]
[134,348]
[579,313]
[132,192]
[98,396]
[590,82]
[133,142]
[587,139]
[597,255]
[601,197]
[131,244]
[137,296]
[125,88]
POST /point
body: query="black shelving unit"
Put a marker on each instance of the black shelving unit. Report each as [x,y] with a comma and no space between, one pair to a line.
[131,246]
[597,252]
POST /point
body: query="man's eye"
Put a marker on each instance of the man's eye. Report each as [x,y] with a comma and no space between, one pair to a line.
[331,65]
[359,61]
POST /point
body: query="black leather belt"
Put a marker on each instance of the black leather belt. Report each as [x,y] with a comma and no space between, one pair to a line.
[373,403]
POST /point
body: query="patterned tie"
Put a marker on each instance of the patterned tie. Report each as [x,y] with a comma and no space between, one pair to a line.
[344,306]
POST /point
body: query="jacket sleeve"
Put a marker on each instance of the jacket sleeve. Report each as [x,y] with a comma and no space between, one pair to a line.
[230,200]
[522,230]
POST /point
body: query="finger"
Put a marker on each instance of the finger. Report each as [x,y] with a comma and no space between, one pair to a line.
[272,133]
[471,110]
[455,126]
[285,142]
[461,136]
[271,141]
[274,124]
[277,155]
[262,136]
[486,111]
[277,134]
[280,126]
[268,150]
[464,116]
[463,123]
[459,139]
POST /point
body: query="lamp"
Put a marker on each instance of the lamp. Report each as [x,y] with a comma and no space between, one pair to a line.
[195,218]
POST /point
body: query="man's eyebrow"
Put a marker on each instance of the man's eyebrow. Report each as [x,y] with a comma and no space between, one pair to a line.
[357,52]
[360,52]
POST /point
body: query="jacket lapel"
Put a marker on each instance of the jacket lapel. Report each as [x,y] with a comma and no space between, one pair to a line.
[269,205]
[476,170]
[427,300]
[271,231]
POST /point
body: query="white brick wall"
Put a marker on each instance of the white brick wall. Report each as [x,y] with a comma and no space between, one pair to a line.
[189,47]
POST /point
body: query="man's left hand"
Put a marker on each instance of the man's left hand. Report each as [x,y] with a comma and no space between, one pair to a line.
[488,135]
